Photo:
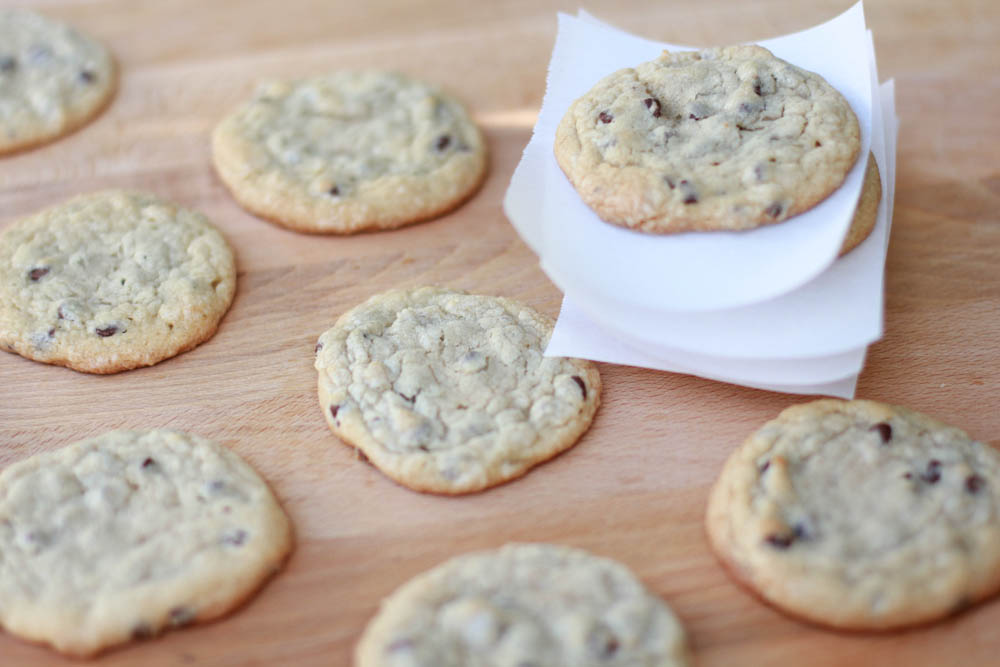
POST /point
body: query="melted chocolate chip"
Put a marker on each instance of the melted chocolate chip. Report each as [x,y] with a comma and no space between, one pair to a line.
[319,346]
[334,409]
[107,331]
[7,64]
[670,182]
[236,538]
[333,191]
[181,616]
[142,631]
[87,76]
[933,472]
[884,431]
[653,105]
[765,466]
[148,463]
[443,142]
[583,387]
[818,144]
[774,210]
[51,332]
[756,87]
[61,314]
[973,483]
[35,274]
[605,117]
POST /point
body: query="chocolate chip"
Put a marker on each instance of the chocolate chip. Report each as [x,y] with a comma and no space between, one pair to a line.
[409,399]
[107,331]
[8,64]
[87,76]
[699,111]
[785,540]
[765,466]
[884,431]
[181,616]
[319,346]
[602,643]
[334,409]
[973,483]
[236,538]
[583,387]
[423,448]
[51,332]
[653,105]
[61,314]
[148,463]
[443,142]
[774,210]
[907,475]
[756,87]
[818,144]
[333,191]
[933,472]
[35,274]
[362,456]
[142,631]
[690,195]
[670,182]
[605,117]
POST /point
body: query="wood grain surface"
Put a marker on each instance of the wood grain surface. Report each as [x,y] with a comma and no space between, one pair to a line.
[635,486]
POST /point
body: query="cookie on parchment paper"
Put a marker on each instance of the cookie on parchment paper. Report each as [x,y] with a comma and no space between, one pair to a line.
[859,515]
[449,392]
[349,151]
[524,604]
[720,139]
[866,214]
[130,533]
[110,281]
[52,79]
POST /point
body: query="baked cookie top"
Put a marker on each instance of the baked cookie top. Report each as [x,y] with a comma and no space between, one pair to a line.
[52,79]
[349,151]
[860,515]
[112,280]
[524,604]
[449,392]
[725,138]
[130,533]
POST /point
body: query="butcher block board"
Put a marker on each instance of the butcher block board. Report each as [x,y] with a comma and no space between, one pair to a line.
[635,486]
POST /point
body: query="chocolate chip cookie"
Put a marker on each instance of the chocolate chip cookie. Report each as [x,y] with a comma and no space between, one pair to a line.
[111,281]
[524,604]
[449,392]
[860,515]
[349,151]
[129,534]
[725,138]
[52,79]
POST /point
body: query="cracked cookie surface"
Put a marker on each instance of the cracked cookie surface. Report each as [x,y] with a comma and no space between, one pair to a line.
[349,151]
[52,79]
[111,281]
[448,392]
[720,139]
[524,605]
[129,534]
[860,515]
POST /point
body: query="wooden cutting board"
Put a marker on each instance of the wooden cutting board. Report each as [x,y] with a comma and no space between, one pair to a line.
[635,487]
